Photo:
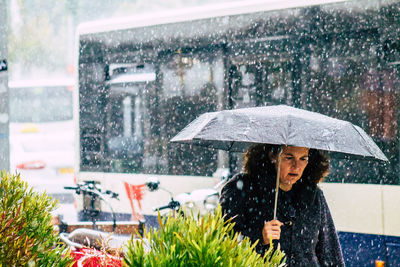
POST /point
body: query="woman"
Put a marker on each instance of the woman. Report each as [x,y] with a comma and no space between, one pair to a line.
[304,226]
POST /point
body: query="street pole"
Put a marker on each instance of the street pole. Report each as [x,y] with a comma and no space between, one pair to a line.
[4,107]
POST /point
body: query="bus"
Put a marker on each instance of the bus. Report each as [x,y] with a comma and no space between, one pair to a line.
[142,79]
[42,136]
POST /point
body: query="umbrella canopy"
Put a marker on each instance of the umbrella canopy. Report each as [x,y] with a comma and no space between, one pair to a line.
[235,130]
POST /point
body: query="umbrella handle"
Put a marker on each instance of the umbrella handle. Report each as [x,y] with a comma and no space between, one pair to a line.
[278,174]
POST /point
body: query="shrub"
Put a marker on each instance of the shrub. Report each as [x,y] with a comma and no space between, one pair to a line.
[26,234]
[193,241]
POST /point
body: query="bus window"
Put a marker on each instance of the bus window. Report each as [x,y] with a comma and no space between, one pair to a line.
[191,85]
[261,81]
[142,112]
[57,101]
[343,80]
[125,116]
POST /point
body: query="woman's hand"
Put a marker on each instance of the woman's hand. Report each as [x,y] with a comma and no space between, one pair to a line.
[271,230]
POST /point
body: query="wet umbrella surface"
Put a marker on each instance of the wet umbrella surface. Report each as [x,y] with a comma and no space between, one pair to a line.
[236,130]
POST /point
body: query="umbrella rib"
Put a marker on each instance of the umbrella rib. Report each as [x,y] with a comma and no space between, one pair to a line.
[373,154]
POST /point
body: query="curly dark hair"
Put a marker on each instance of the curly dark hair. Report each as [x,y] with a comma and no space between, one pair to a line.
[257,163]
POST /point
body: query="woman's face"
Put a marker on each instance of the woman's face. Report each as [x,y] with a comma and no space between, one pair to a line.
[293,162]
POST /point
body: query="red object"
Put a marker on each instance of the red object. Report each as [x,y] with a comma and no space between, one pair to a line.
[32,165]
[135,192]
[89,257]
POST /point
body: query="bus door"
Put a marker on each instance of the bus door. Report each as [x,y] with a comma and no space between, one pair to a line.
[262,74]
[125,115]
[191,83]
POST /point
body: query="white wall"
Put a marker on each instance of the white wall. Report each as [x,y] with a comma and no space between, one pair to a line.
[364,208]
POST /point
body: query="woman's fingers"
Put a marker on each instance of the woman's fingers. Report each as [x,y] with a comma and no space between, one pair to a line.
[271,235]
[271,230]
[276,233]
[275,222]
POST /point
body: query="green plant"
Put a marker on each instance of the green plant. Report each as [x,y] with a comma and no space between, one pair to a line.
[197,241]
[27,237]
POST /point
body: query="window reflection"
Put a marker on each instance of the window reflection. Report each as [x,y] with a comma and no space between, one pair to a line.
[125,116]
[380,102]
[261,82]
[348,81]
[144,112]
[191,85]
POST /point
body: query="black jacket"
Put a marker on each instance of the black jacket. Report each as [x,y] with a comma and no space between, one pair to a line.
[308,236]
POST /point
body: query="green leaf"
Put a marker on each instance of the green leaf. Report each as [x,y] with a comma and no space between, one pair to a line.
[197,241]
[25,225]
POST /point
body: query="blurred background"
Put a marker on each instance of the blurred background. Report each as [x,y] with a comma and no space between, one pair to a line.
[139,86]
[41,42]
[41,33]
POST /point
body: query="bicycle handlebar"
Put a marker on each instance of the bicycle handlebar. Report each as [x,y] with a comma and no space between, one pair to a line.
[95,192]
[87,188]
[173,205]
[71,187]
